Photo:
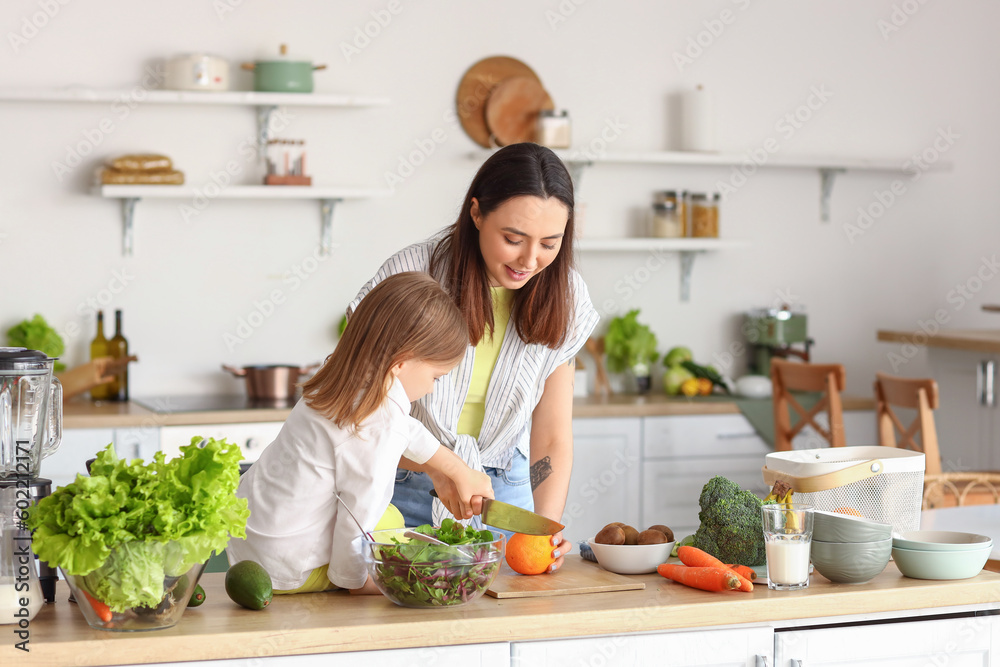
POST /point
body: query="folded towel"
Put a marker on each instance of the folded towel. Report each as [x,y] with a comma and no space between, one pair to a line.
[586,552]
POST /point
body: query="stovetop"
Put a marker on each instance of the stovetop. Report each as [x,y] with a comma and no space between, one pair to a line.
[174,404]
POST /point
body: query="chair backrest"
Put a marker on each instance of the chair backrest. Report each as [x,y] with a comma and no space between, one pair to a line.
[917,394]
[787,376]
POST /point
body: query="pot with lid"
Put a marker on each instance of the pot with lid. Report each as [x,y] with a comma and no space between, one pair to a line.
[283,75]
[271,382]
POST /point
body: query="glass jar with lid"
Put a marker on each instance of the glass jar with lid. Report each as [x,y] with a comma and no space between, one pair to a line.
[673,202]
[553,129]
[705,215]
[666,223]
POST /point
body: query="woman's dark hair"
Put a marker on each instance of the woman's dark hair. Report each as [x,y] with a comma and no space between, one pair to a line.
[542,310]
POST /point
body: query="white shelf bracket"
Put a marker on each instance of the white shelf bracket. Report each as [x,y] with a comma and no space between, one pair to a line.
[264,113]
[826,175]
[128,218]
[687,263]
[326,226]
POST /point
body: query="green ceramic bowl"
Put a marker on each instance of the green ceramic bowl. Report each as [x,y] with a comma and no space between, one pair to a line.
[836,527]
[941,540]
[919,564]
[850,562]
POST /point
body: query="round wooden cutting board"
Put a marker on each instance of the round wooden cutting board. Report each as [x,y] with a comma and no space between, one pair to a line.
[475,88]
[512,109]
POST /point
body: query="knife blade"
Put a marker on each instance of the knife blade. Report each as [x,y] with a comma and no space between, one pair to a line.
[516,519]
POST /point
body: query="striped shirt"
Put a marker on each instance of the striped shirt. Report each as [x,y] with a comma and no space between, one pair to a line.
[515,387]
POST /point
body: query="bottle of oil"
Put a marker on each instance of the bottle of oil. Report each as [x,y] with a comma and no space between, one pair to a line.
[99,348]
[118,349]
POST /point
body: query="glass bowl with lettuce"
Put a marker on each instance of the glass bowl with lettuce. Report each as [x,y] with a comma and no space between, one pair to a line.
[419,574]
[132,538]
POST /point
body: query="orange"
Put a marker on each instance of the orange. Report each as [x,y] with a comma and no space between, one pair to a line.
[704,386]
[849,510]
[530,554]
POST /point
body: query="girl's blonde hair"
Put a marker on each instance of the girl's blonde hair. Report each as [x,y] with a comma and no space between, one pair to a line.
[406,316]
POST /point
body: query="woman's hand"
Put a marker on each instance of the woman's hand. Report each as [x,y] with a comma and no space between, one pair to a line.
[561,548]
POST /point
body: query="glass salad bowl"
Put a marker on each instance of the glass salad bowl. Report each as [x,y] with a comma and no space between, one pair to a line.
[165,596]
[420,575]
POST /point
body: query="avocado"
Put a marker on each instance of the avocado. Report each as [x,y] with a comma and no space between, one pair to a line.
[249,585]
[197,597]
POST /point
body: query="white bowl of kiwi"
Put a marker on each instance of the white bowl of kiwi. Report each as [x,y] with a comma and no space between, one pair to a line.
[622,549]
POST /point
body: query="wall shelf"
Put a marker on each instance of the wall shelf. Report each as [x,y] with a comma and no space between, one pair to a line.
[687,248]
[327,197]
[827,166]
[226,97]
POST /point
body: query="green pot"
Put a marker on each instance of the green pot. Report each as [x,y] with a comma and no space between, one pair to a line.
[282,75]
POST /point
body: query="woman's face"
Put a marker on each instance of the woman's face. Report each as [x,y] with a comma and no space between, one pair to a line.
[519,238]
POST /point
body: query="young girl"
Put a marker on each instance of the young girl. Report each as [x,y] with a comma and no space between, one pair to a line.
[346,437]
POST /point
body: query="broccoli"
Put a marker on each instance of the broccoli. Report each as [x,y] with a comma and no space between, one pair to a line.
[731,527]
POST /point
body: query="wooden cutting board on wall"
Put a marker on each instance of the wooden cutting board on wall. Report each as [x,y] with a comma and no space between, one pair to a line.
[574,577]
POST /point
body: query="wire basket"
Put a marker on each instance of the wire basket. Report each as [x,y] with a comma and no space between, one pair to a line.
[884,484]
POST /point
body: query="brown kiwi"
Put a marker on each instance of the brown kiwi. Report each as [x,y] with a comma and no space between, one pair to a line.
[631,535]
[610,534]
[663,529]
[652,537]
[619,524]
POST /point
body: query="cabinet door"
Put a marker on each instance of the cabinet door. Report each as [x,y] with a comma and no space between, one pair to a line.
[739,648]
[968,432]
[604,486]
[958,642]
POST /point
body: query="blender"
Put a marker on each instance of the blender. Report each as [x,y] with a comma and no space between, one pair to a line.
[30,430]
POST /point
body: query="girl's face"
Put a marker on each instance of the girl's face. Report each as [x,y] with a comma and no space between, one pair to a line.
[417,377]
[519,238]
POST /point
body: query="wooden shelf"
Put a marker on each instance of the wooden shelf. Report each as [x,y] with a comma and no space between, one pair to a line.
[327,196]
[228,97]
[687,248]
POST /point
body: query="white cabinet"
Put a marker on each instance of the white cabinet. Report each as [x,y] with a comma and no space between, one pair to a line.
[680,454]
[738,647]
[604,486]
[957,642]
[80,444]
[968,428]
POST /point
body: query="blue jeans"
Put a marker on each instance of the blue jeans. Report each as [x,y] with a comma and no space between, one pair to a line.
[412,496]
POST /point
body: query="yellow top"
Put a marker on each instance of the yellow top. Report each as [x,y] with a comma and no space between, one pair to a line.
[470,421]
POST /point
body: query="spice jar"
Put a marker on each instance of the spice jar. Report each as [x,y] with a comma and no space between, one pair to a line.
[666,224]
[553,129]
[704,215]
[672,201]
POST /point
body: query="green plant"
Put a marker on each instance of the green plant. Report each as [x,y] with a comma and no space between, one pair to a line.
[630,345]
[36,334]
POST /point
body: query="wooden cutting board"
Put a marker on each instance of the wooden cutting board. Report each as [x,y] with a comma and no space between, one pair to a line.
[575,576]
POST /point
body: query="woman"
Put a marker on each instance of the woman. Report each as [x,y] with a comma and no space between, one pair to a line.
[506,409]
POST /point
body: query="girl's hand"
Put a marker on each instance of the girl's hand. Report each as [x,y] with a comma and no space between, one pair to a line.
[368,589]
[462,491]
[560,547]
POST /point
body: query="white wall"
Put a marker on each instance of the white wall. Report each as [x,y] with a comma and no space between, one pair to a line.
[189,283]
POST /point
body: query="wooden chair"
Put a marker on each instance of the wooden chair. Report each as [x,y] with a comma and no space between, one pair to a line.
[941,489]
[787,376]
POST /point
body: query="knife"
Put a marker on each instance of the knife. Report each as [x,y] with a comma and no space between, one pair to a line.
[516,519]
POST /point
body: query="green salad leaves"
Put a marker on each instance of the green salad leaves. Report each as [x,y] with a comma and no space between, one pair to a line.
[36,334]
[421,574]
[130,525]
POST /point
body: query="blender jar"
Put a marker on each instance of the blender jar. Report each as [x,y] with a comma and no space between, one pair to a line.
[30,412]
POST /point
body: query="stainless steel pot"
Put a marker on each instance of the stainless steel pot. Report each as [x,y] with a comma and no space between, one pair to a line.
[276,382]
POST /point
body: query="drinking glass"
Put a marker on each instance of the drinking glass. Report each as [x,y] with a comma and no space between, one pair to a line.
[788,531]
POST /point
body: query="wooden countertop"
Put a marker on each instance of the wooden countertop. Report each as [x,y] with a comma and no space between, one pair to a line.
[971,340]
[337,622]
[82,413]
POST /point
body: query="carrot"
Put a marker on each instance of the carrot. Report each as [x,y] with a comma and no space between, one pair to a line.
[705,578]
[743,571]
[103,612]
[695,557]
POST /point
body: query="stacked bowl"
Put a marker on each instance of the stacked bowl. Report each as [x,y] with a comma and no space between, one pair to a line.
[848,549]
[940,554]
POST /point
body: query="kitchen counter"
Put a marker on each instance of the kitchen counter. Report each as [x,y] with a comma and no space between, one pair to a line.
[970,340]
[338,622]
[82,413]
